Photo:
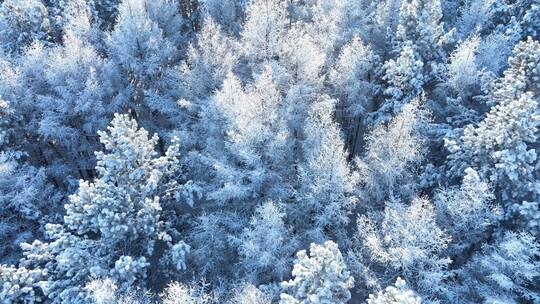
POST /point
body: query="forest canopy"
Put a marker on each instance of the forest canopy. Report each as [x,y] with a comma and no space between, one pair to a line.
[269,151]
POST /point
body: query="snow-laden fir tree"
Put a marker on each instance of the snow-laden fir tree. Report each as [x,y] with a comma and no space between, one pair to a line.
[464,78]
[72,105]
[463,69]
[302,58]
[27,202]
[106,291]
[209,61]
[27,198]
[334,22]
[229,14]
[474,16]
[59,93]
[178,293]
[211,260]
[353,77]
[320,277]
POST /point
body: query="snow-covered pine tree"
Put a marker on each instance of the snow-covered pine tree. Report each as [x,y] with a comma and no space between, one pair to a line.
[404,78]
[521,76]
[501,148]
[420,23]
[122,205]
[320,277]
[113,223]
[419,53]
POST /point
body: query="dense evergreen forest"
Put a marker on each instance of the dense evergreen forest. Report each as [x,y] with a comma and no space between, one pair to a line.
[269,151]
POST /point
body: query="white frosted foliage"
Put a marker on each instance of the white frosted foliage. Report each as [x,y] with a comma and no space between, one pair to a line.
[319,278]
[397,294]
